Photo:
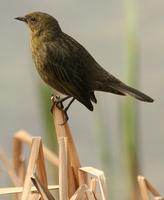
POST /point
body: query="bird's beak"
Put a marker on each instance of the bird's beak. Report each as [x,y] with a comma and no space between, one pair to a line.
[23,19]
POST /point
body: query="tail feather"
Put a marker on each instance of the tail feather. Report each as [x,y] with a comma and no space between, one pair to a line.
[133,92]
[104,81]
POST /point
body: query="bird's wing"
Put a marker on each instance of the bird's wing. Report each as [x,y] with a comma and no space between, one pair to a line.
[68,66]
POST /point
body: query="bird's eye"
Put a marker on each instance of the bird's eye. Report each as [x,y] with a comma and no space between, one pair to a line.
[33,19]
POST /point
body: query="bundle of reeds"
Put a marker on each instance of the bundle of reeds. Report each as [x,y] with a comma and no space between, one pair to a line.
[75,182]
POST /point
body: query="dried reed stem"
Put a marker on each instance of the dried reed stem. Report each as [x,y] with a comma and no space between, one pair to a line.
[90,195]
[143,188]
[80,193]
[15,190]
[63,130]
[100,177]
[146,186]
[44,192]
[63,168]
[36,161]
[24,137]
[73,162]
[9,168]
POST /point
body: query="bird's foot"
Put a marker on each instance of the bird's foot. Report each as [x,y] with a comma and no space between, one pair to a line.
[66,118]
[56,100]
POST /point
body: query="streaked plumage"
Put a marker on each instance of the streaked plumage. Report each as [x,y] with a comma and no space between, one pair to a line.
[66,65]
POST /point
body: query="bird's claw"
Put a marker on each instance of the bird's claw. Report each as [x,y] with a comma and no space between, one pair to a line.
[56,100]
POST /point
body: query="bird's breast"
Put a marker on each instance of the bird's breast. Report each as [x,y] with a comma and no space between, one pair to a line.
[39,55]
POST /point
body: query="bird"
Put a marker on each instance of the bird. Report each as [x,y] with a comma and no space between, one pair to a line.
[66,66]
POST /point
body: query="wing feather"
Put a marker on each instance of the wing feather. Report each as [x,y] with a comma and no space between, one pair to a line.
[69,75]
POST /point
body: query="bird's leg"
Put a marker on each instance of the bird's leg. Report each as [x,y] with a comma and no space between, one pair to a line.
[58,101]
[67,107]
[66,118]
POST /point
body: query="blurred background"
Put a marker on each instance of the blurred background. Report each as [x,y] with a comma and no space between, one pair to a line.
[123,137]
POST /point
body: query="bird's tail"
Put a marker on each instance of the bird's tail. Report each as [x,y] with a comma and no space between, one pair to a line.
[132,92]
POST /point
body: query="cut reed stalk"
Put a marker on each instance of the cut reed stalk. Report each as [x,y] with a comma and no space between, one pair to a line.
[75,182]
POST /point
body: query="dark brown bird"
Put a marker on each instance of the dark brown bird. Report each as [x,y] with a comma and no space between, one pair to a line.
[67,66]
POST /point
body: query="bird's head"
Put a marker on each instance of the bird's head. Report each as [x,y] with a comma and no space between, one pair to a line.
[40,22]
